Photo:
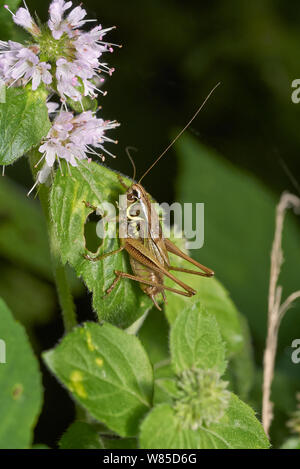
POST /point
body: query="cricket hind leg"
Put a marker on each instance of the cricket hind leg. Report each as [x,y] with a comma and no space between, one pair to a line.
[116,281]
[144,281]
[207,272]
[119,277]
[189,271]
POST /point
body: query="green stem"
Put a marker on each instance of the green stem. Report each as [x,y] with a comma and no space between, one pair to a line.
[64,295]
[62,285]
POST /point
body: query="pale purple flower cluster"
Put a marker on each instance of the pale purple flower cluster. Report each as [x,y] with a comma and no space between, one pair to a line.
[74,56]
[85,67]
[72,138]
[77,63]
[19,65]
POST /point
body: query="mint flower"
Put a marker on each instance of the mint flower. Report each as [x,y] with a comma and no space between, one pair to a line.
[58,24]
[67,61]
[73,138]
[202,398]
[23,18]
[60,55]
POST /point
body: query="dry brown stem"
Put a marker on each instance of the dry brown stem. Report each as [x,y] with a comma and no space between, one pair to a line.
[276,308]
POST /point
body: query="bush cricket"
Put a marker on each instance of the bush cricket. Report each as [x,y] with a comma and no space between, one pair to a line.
[145,243]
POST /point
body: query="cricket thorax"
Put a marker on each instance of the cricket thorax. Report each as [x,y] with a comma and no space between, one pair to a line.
[142,218]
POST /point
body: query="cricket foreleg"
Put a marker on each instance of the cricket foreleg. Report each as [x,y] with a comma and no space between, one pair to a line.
[121,181]
[89,205]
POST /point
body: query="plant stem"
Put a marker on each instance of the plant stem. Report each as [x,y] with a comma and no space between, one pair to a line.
[64,295]
[276,309]
[62,285]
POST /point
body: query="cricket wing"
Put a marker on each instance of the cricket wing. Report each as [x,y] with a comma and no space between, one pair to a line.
[143,254]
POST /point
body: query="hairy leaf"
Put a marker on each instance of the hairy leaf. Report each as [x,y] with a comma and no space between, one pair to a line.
[196,342]
[23,122]
[165,390]
[81,435]
[108,372]
[20,384]
[238,429]
[190,415]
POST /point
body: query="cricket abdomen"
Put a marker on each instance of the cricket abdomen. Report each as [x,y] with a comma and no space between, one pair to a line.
[144,272]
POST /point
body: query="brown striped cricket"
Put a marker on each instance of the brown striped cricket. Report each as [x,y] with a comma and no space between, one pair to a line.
[145,243]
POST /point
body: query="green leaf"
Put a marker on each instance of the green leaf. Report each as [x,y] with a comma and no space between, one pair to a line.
[108,372]
[119,443]
[291,443]
[20,384]
[154,335]
[95,183]
[40,446]
[196,342]
[239,231]
[81,435]
[241,367]
[6,22]
[213,296]
[23,232]
[238,429]
[165,390]
[23,122]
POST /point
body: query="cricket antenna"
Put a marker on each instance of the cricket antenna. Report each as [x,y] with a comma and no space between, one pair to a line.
[289,174]
[181,132]
[128,149]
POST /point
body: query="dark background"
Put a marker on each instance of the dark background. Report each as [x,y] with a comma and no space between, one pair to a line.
[173,53]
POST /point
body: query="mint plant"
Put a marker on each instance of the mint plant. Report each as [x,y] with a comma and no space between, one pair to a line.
[130,386]
[59,58]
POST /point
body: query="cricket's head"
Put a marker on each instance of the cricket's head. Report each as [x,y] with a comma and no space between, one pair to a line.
[137,214]
[136,193]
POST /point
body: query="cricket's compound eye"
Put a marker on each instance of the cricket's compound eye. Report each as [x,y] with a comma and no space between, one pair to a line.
[132,195]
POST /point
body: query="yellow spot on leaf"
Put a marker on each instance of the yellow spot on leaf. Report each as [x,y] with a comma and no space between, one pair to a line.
[99,361]
[76,384]
[90,344]
[17,391]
